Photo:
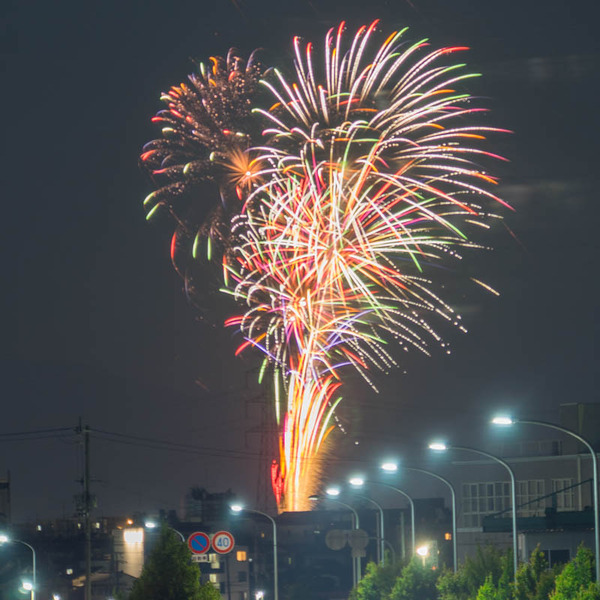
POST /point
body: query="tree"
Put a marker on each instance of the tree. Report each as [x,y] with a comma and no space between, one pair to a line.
[465,584]
[415,581]
[534,580]
[576,582]
[377,582]
[488,590]
[453,586]
[169,573]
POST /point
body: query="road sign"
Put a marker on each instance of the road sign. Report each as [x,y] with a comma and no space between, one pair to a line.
[198,542]
[336,539]
[358,540]
[223,542]
[200,558]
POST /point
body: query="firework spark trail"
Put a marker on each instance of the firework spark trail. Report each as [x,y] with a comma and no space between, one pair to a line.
[365,179]
[372,179]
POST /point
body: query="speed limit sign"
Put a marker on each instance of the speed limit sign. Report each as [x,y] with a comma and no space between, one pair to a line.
[222,542]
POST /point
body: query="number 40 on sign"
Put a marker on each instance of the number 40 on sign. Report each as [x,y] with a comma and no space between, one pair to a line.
[223,542]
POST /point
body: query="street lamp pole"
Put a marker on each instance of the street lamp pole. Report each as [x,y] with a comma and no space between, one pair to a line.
[443,447]
[381,546]
[356,566]
[34,575]
[4,539]
[510,421]
[237,508]
[393,467]
[411,504]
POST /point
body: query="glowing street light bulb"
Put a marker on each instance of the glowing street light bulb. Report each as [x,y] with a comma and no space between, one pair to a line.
[422,550]
[502,420]
[389,467]
[333,491]
[438,446]
[4,538]
[356,481]
[150,525]
[236,508]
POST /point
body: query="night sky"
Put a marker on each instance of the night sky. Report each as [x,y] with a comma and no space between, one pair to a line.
[97,325]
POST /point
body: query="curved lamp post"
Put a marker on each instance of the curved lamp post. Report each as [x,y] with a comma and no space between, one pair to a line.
[335,491]
[154,525]
[507,421]
[392,467]
[443,447]
[381,545]
[237,508]
[5,539]
[358,482]
[356,568]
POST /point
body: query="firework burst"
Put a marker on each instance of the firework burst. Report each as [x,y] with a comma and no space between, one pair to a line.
[207,130]
[366,178]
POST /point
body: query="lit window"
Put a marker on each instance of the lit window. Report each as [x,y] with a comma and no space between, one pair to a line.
[447,536]
[69,571]
[241,556]
[97,525]
[39,527]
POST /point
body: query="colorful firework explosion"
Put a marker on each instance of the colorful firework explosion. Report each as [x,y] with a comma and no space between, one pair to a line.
[367,179]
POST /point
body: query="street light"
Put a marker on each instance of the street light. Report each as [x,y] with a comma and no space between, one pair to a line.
[154,525]
[423,552]
[357,483]
[508,421]
[356,566]
[392,467]
[28,586]
[238,508]
[444,447]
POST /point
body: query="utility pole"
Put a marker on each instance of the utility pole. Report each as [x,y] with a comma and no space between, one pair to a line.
[84,505]
[87,509]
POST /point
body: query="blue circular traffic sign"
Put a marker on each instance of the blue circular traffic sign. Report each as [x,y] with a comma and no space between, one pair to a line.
[199,542]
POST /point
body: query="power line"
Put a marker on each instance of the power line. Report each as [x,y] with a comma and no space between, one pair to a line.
[168,445]
[37,432]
